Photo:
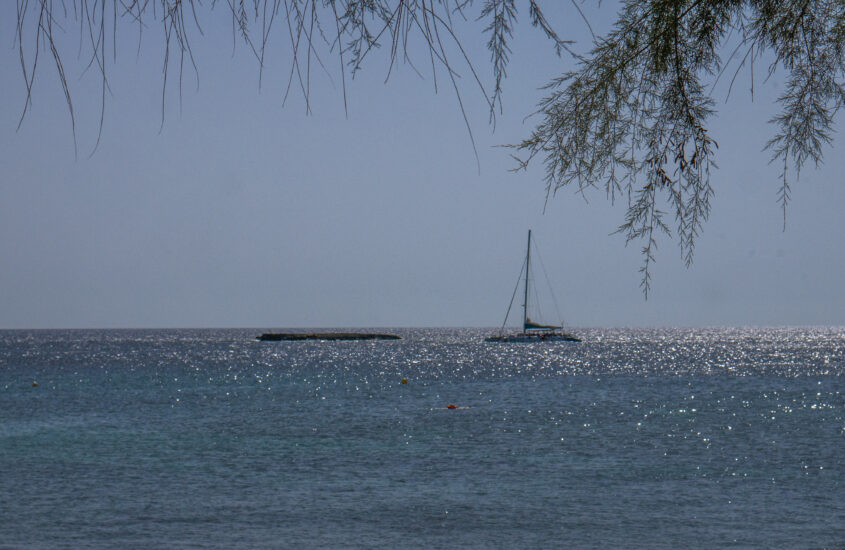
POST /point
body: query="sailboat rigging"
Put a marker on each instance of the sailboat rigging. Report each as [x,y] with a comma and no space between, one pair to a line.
[531,331]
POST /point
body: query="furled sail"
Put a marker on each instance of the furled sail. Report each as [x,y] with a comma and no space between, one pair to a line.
[531,325]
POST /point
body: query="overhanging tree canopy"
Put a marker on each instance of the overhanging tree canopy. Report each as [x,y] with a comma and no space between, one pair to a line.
[631,118]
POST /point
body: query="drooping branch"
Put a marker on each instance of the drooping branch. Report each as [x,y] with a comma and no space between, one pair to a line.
[358,27]
[631,118]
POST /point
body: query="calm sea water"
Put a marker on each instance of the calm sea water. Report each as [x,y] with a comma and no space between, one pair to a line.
[720,438]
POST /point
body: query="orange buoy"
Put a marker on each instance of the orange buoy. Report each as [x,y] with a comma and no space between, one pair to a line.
[404,380]
[451,406]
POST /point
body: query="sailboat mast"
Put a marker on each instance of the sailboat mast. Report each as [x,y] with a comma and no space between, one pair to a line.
[527,267]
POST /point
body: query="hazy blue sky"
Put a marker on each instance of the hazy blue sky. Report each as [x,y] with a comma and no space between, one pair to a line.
[243,211]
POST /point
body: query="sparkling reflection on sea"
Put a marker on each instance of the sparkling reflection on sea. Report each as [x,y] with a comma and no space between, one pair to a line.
[633,438]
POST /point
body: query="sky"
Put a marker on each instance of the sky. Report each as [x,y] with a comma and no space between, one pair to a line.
[243,210]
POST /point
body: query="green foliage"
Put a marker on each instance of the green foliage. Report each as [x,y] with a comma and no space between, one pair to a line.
[630,119]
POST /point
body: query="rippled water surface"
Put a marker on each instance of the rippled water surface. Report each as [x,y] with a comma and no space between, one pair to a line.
[672,438]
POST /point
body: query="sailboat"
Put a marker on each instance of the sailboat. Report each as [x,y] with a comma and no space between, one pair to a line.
[531,331]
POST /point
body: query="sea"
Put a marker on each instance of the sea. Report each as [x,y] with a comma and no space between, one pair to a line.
[633,438]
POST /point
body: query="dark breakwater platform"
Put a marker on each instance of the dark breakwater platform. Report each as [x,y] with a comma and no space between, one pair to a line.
[291,336]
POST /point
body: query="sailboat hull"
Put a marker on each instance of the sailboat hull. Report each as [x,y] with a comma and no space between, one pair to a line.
[529,338]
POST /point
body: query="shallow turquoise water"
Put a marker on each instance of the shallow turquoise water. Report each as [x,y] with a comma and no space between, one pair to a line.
[668,438]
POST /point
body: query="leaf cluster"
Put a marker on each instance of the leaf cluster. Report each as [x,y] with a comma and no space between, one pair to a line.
[316,34]
[632,118]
